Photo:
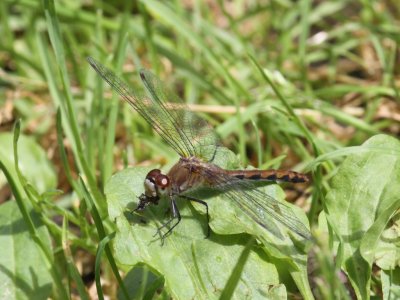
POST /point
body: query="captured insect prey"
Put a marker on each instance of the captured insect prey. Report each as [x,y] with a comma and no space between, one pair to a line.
[197,145]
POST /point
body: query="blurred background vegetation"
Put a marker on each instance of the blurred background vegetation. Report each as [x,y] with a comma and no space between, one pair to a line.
[333,63]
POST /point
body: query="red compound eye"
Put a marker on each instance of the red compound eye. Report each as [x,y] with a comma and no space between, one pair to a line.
[157,178]
[153,174]
[162,181]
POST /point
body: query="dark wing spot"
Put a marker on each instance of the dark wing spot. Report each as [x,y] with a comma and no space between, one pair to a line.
[285,178]
[271,177]
[255,177]
[297,179]
[239,176]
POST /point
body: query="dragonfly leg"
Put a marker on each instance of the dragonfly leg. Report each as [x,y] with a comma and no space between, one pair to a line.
[203,203]
[175,215]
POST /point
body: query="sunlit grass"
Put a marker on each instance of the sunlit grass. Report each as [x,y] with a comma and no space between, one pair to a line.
[290,85]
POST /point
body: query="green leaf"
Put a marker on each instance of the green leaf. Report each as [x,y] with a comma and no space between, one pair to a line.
[364,194]
[142,283]
[391,284]
[33,162]
[379,245]
[23,269]
[195,267]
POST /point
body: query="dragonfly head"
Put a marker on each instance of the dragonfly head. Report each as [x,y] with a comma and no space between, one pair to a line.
[155,185]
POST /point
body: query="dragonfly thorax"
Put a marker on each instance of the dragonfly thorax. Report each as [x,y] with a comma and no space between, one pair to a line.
[186,174]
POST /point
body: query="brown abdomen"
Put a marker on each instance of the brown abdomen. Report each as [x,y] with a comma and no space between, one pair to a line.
[269,175]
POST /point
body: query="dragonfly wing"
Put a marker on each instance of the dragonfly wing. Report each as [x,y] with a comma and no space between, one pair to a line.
[187,133]
[258,205]
[193,131]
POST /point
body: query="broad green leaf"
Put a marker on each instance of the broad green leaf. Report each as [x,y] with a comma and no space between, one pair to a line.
[33,162]
[195,267]
[364,195]
[391,284]
[23,270]
[380,245]
[142,283]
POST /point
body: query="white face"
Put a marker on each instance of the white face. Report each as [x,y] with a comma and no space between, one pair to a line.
[150,188]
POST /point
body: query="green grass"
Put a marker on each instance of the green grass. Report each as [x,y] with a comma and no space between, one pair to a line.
[306,86]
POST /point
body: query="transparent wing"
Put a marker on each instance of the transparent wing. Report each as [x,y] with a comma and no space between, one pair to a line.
[256,204]
[187,133]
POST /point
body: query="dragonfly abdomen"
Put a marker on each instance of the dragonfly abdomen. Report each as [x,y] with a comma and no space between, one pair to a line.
[269,175]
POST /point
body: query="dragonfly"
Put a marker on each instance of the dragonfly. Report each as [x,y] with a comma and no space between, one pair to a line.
[197,144]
